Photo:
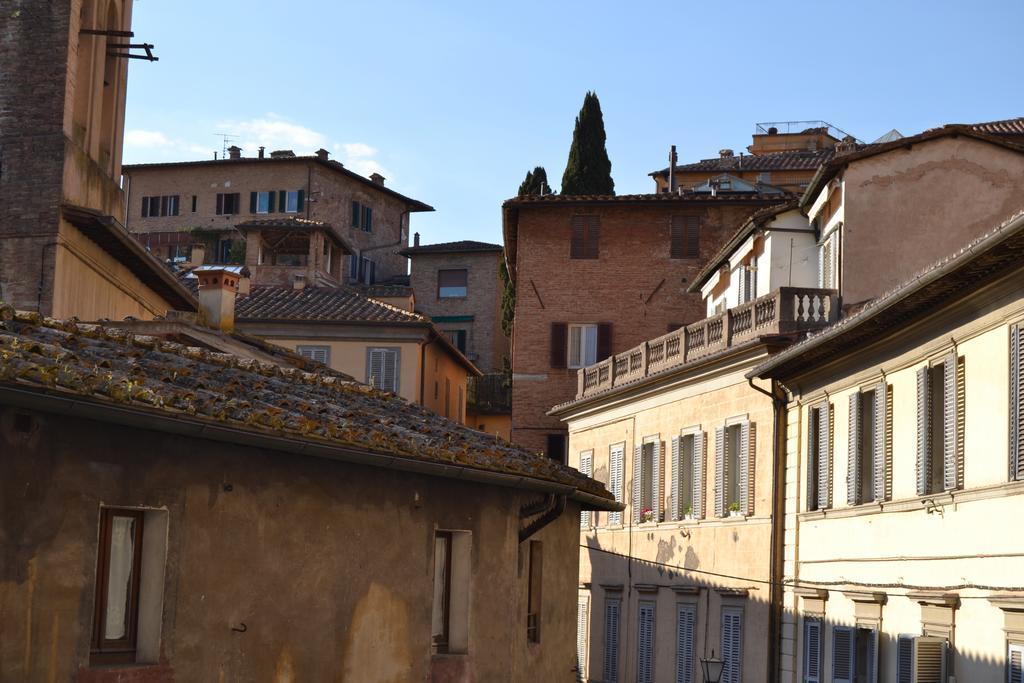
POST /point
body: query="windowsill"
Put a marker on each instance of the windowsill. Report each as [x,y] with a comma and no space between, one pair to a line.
[917,503]
[453,298]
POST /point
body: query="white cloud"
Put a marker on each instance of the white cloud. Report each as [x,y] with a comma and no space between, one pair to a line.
[359,157]
[146,138]
[273,133]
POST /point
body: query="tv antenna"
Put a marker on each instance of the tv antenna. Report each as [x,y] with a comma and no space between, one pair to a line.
[226,140]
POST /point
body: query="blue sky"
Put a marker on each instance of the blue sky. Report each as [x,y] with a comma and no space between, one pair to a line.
[455,101]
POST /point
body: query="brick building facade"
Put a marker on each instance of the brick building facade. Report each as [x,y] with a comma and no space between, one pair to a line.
[601,274]
[201,202]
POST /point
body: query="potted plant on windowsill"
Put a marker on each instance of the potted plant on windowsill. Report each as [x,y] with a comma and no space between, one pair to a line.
[688,513]
[646,516]
[734,510]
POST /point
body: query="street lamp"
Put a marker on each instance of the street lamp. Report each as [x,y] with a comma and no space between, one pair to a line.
[712,668]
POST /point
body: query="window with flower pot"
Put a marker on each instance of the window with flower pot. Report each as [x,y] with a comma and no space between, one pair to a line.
[647,481]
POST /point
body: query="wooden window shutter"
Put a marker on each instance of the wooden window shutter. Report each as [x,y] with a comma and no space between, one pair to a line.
[924,431]
[1016,404]
[282,200]
[674,512]
[929,659]
[686,629]
[610,671]
[299,204]
[270,201]
[559,345]
[357,212]
[812,651]
[145,207]
[677,237]
[252,202]
[853,453]
[720,472]
[604,341]
[813,419]
[824,456]
[843,654]
[637,481]
[732,645]
[1015,663]
[579,229]
[949,423]
[699,454]
[879,458]
[587,468]
[593,237]
[746,473]
[581,640]
[656,495]
[645,644]
[693,237]
[905,659]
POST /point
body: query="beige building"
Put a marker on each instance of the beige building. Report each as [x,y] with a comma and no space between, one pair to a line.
[172,207]
[677,433]
[901,479]
[63,251]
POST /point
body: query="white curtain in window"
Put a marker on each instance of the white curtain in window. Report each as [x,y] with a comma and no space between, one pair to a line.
[590,345]
[119,579]
[440,579]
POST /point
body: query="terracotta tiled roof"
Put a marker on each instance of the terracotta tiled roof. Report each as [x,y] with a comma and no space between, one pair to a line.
[797,160]
[388,290]
[461,246]
[113,375]
[289,222]
[1004,127]
[664,197]
[343,304]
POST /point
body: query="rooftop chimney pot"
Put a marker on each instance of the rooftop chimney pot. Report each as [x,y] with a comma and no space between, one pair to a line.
[377,178]
[773,131]
[416,239]
[281,153]
[262,148]
[234,152]
[217,290]
[725,153]
[322,154]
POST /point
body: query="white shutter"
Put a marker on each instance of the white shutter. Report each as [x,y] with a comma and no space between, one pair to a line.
[929,660]
[853,453]
[905,659]
[732,645]
[720,472]
[699,455]
[645,643]
[949,423]
[686,625]
[587,468]
[582,636]
[741,285]
[390,377]
[674,513]
[610,672]
[812,651]
[1015,664]
[616,456]
[880,451]
[638,457]
[746,482]
[843,653]
[375,375]
[656,495]
[824,457]
[1016,404]
[924,431]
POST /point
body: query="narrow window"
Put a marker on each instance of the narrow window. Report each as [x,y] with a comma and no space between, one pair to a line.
[452,283]
[646,502]
[533,615]
[457,338]
[321,354]
[733,461]
[382,368]
[645,643]
[812,651]
[732,645]
[367,219]
[582,345]
[447,397]
[357,215]
[582,637]
[855,655]
[263,202]
[585,243]
[684,465]
[291,201]
[861,451]
[819,456]
[118,570]
[442,590]
[939,425]
[685,237]
[452,572]
[616,459]
[586,468]
[610,667]
[1016,469]
[194,200]
[647,483]
[145,207]
[733,467]
[686,627]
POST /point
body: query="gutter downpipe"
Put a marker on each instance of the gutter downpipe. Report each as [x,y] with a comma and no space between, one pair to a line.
[776,555]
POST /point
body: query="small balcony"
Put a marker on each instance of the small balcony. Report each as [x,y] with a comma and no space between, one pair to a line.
[786,311]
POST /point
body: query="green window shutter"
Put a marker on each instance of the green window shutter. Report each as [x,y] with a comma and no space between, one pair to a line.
[252,202]
[270,201]
[300,205]
[282,201]
[853,453]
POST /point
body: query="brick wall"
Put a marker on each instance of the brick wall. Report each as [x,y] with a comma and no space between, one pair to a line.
[633,285]
[486,343]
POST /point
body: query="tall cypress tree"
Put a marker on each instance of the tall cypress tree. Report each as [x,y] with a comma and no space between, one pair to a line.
[536,183]
[589,171]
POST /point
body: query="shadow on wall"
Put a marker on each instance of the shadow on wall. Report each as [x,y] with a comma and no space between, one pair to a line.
[641,620]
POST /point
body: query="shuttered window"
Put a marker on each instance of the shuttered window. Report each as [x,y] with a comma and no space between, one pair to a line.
[582,350]
[610,663]
[290,201]
[452,283]
[382,368]
[843,652]
[587,468]
[812,651]
[321,354]
[734,467]
[732,645]
[865,455]
[746,283]
[616,458]
[819,455]
[166,205]
[586,237]
[828,261]
[939,426]
[686,628]
[687,477]
[1016,403]
[228,203]
[645,643]
[582,637]
[905,659]
[1015,663]
[647,482]
[685,237]
[929,660]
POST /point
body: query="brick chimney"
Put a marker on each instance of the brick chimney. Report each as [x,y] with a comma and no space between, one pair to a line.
[377,178]
[217,288]
[322,154]
[234,152]
[725,153]
[415,239]
[262,150]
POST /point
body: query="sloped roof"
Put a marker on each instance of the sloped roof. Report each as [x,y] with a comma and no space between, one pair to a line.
[112,375]
[296,224]
[461,246]
[339,304]
[735,184]
[793,160]
[1004,127]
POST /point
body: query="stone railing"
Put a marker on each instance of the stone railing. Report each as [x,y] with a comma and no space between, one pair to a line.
[787,310]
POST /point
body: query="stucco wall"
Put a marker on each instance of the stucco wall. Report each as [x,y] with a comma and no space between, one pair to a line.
[328,565]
